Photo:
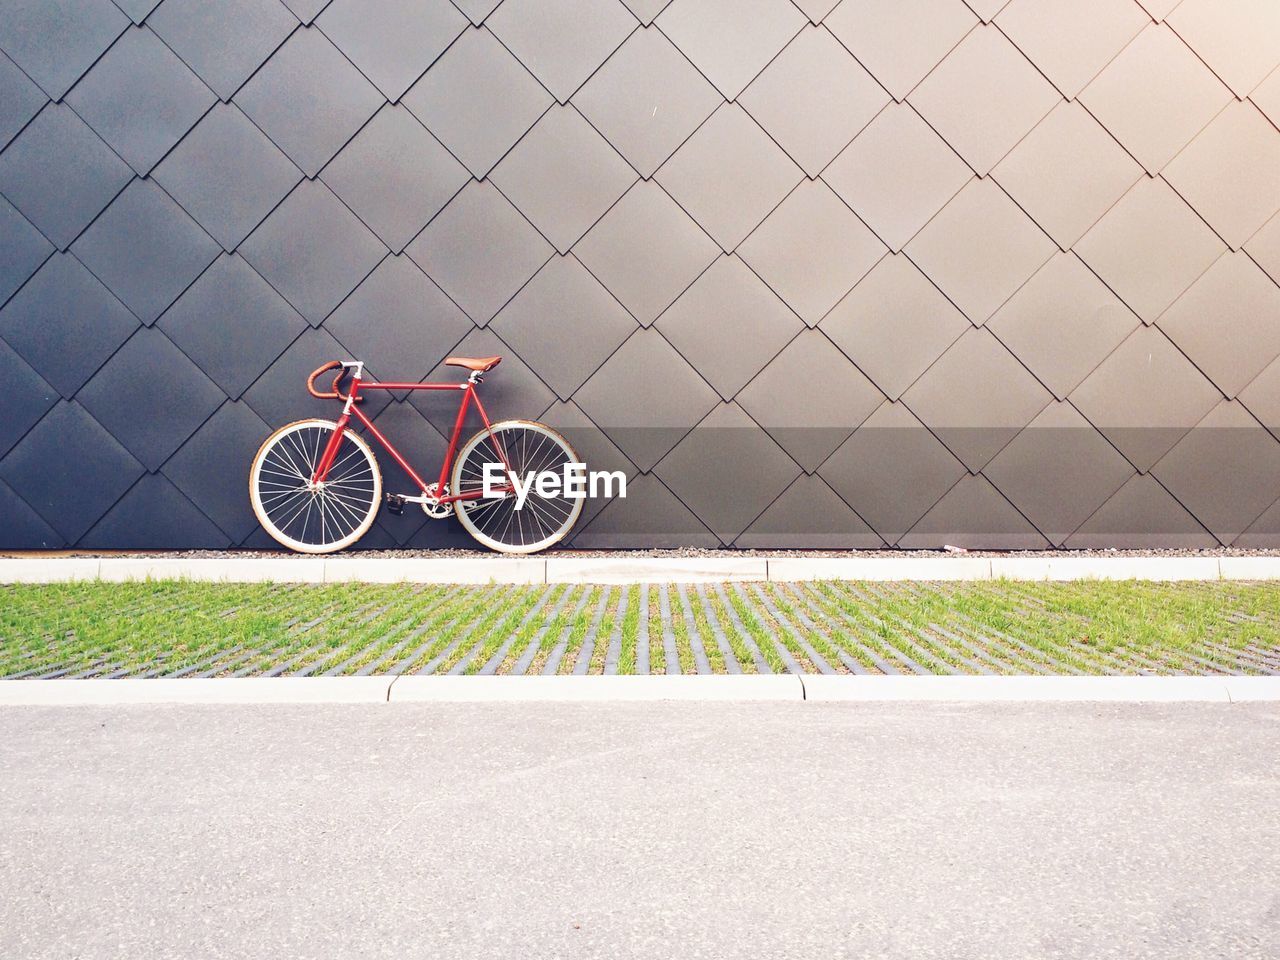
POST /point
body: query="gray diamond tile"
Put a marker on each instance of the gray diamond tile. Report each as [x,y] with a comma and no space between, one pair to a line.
[140,98]
[646,251]
[814,98]
[477,10]
[1226,471]
[562,42]
[395,175]
[1155,96]
[973,515]
[398,321]
[64,304]
[976,398]
[1150,247]
[1070,41]
[1263,533]
[894,325]
[1142,513]
[1267,97]
[984,98]
[149,372]
[1159,9]
[729,304]
[727,471]
[593,448]
[154,515]
[900,41]
[1228,323]
[392,41]
[1067,173]
[809,398]
[812,250]
[1262,398]
[70,501]
[563,176]
[868,468]
[563,304]
[646,397]
[987,9]
[1230,173]
[227,175]
[145,249]
[480,250]
[306,10]
[56,41]
[28,397]
[1265,248]
[729,175]
[649,516]
[646,99]
[224,42]
[313,250]
[1238,39]
[280,395]
[809,516]
[897,174]
[512,391]
[60,174]
[646,10]
[232,324]
[730,41]
[1145,397]
[22,250]
[24,530]
[136,10]
[478,100]
[20,100]
[980,249]
[815,10]
[1058,471]
[309,99]
[1063,323]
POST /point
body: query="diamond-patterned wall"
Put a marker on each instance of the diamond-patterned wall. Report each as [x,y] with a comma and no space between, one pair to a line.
[996,273]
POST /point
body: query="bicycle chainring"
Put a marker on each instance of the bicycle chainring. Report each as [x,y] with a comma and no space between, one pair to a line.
[437,511]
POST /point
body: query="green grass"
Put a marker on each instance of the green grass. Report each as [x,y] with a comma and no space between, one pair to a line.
[132,629]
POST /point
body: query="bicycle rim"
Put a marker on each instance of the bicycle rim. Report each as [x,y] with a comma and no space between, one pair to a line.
[496,523]
[322,520]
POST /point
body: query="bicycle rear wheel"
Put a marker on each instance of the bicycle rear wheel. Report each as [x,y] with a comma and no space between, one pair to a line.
[314,518]
[495,522]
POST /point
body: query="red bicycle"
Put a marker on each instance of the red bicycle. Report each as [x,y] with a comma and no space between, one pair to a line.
[316,488]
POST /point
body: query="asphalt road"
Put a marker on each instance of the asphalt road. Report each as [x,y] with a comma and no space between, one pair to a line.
[640,831]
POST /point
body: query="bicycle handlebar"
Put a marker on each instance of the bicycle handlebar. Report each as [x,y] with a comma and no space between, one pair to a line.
[336,393]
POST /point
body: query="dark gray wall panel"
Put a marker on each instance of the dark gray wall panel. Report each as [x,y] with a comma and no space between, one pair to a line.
[810,273]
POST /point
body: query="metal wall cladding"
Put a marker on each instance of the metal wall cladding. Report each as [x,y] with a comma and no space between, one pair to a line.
[814,274]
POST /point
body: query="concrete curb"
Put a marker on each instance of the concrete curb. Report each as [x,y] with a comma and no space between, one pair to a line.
[226,691]
[598,688]
[658,570]
[1033,689]
[601,689]
[530,570]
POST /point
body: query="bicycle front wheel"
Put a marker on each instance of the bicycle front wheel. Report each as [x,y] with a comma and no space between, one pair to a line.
[314,518]
[501,523]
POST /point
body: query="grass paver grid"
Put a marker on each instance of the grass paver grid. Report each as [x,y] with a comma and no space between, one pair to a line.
[188,629]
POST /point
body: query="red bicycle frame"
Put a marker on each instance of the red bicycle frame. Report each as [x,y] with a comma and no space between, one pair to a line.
[469,396]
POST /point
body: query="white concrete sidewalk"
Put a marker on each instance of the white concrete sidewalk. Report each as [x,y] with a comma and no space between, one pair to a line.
[617,689]
[622,570]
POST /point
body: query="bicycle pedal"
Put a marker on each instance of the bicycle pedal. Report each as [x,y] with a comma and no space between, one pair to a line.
[395,504]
